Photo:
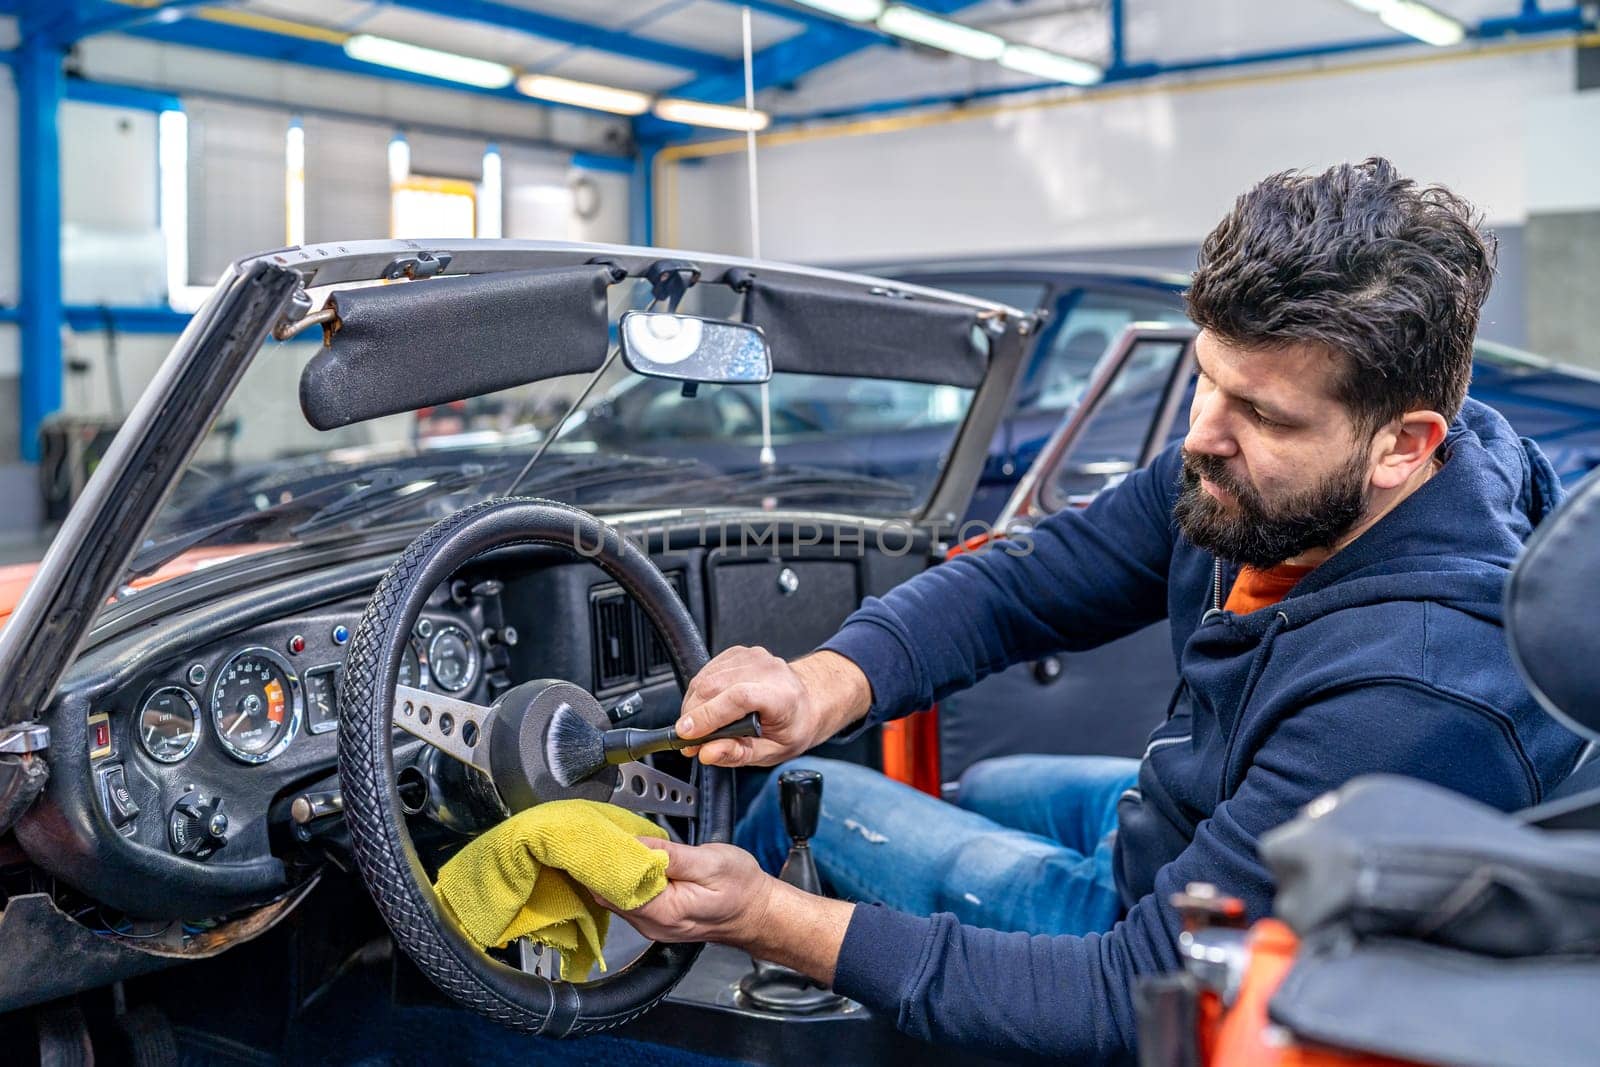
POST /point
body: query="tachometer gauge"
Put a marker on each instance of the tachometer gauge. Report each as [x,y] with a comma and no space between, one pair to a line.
[256,705]
[169,724]
[453,658]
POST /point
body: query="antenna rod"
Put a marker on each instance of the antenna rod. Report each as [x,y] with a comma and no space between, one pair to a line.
[768,456]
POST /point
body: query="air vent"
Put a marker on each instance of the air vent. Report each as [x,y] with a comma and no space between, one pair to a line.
[616,639]
[657,660]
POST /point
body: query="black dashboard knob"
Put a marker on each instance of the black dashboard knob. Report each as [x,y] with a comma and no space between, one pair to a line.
[198,827]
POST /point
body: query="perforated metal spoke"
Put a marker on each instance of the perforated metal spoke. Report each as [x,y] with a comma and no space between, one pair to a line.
[642,788]
[455,727]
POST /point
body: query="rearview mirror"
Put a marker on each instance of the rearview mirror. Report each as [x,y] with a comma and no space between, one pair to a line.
[663,344]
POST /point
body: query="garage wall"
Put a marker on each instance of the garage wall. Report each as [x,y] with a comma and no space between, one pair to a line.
[1153,170]
[1564,226]
[1149,169]
[113,251]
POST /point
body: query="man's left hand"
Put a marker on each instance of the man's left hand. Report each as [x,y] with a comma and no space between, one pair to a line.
[714,893]
[719,893]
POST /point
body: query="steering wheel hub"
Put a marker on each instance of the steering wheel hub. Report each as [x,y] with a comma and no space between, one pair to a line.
[519,760]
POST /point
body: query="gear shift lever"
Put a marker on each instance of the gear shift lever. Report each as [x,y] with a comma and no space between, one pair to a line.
[768,985]
[800,797]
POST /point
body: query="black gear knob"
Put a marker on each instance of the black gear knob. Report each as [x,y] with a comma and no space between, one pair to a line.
[800,796]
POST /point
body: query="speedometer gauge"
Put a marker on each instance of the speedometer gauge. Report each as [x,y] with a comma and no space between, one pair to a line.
[169,724]
[256,705]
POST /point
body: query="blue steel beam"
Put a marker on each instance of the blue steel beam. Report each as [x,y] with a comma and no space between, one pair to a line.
[40,86]
[78,21]
[83,91]
[102,17]
[1119,24]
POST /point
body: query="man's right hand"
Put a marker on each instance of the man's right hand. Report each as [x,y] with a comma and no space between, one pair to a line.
[801,704]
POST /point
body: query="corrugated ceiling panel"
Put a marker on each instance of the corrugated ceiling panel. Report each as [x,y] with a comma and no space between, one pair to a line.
[459,35]
[341,14]
[715,27]
[612,14]
[586,65]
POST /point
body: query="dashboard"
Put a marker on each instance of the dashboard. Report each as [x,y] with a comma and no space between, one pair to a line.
[195,741]
[186,755]
[190,754]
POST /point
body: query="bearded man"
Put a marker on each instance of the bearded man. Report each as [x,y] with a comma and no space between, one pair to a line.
[1329,543]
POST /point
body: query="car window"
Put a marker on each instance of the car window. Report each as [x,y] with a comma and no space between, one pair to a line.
[1113,441]
[1089,321]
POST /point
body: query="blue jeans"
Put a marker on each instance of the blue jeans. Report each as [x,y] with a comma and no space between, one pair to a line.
[1026,846]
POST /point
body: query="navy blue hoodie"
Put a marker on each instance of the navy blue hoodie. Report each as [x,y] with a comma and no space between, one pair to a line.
[1388,657]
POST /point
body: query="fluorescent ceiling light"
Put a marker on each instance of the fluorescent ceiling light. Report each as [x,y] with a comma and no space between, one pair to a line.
[716,116]
[584,94]
[854,10]
[429,61]
[1422,22]
[935,32]
[1051,65]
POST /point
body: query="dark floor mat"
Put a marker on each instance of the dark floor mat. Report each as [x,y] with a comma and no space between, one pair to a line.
[428,1036]
[359,1025]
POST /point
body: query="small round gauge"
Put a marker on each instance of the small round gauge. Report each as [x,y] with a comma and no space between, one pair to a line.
[453,658]
[256,705]
[169,724]
[412,671]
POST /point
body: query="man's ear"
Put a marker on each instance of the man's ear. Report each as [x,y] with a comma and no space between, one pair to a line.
[1405,445]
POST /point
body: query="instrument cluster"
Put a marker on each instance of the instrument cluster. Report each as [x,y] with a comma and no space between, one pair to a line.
[255,700]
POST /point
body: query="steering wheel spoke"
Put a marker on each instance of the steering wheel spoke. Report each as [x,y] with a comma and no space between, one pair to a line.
[455,727]
[643,788]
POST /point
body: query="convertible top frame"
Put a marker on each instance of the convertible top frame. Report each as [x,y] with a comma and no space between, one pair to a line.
[263,293]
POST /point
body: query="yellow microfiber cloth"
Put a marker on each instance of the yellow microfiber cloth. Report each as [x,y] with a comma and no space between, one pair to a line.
[527,878]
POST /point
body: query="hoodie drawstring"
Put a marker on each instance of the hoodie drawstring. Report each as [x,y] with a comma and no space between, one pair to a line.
[1258,666]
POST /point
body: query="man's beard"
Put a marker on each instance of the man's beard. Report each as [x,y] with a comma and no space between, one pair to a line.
[1250,531]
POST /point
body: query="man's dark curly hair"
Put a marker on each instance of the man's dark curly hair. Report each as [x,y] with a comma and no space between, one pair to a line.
[1386,274]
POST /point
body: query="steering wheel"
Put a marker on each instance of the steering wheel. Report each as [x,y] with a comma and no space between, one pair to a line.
[506,742]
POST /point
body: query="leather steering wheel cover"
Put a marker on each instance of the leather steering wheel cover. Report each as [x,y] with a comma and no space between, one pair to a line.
[383,850]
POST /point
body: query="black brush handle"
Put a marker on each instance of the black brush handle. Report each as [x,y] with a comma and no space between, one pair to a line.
[629,743]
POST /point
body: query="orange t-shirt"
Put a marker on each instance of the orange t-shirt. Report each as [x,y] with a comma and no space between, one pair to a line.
[1256,589]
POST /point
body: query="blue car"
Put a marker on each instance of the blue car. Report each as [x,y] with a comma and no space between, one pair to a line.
[1086,308]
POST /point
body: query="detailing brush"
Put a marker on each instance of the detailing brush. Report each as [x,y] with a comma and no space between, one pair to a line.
[576,749]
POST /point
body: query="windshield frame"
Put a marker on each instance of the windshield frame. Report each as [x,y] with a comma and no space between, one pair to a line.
[258,294]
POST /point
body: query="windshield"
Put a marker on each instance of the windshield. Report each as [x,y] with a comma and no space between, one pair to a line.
[263,477]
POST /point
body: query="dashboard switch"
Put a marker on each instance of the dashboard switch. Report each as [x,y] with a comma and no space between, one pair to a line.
[119,802]
[197,827]
[341,634]
[99,735]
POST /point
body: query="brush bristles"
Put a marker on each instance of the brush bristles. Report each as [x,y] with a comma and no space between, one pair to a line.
[573,747]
